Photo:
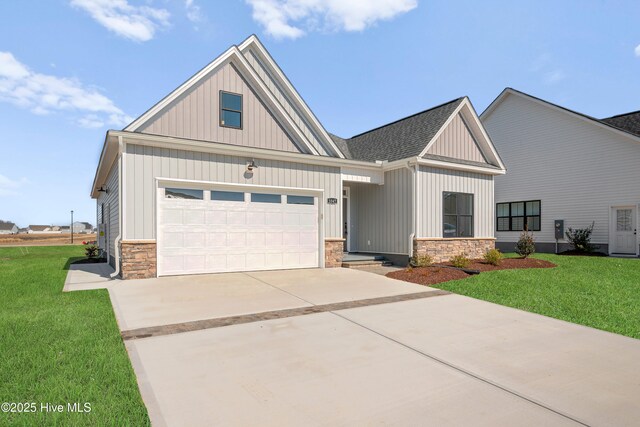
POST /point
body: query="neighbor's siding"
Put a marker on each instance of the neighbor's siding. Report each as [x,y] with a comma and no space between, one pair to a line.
[111,211]
[576,168]
[196,115]
[457,142]
[381,214]
[433,182]
[279,93]
[144,164]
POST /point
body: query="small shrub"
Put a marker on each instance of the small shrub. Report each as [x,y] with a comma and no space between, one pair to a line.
[460,261]
[421,261]
[91,251]
[580,238]
[493,257]
[526,244]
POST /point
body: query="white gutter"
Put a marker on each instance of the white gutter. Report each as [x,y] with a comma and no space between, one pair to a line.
[412,167]
[116,242]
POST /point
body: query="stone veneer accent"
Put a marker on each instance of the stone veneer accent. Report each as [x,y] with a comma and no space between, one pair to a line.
[138,259]
[442,250]
[333,252]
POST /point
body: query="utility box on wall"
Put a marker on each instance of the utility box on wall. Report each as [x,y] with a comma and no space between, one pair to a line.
[559,228]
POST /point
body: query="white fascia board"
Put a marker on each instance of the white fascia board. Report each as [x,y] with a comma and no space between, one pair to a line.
[302,107]
[459,166]
[175,143]
[491,108]
[444,126]
[109,154]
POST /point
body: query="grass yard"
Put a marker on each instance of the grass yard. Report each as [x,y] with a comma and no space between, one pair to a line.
[603,293]
[61,348]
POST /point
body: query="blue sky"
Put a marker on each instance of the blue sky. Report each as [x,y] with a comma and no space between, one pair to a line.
[71,69]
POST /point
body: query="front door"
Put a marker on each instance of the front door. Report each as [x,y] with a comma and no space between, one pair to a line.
[624,230]
[345,218]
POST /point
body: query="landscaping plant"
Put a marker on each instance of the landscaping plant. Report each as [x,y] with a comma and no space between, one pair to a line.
[91,251]
[493,257]
[460,261]
[526,244]
[580,238]
[421,261]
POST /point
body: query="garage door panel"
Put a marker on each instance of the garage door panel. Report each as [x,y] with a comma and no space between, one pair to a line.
[208,236]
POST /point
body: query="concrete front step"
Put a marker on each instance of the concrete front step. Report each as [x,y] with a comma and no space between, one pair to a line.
[368,263]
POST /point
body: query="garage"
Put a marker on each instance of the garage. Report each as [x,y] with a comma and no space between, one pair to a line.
[226,228]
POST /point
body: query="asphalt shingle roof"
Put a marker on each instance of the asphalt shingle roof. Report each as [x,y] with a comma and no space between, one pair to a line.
[629,122]
[401,139]
[6,225]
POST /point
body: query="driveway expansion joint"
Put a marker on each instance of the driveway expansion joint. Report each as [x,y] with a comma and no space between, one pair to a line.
[197,325]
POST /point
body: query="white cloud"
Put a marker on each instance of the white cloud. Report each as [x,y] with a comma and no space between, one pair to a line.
[138,23]
[293,18]
[43,94]
[9,187]
[638,50]
[554,76]
[194,14]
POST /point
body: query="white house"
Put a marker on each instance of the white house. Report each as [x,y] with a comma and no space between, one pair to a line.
[8,228]
[82,227]
[35,229]
[566,166]
[233,172]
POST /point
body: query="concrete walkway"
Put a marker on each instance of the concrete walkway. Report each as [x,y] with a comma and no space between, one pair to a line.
[441,360]
[83,277]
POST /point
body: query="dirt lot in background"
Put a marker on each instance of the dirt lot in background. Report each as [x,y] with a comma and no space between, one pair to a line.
[45,239]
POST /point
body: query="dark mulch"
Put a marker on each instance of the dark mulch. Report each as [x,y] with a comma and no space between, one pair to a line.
[89,261]
[574,252]
[438,274]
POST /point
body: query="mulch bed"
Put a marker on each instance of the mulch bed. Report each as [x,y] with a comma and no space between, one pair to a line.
[438,274]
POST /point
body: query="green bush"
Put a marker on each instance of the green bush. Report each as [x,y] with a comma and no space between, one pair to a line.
[460,261]
[526,244]
[91,251]
[493,257]
[421,260]
[580,238]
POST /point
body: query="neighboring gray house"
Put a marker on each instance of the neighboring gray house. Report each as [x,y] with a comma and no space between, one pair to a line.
[8,228]
[34,229]
[565,165]
[233,172]
[82,227]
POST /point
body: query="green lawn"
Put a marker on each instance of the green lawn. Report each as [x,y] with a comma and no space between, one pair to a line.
[603,293]
[61,348]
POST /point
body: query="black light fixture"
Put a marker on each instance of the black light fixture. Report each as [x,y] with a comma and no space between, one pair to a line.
[103,189]
[252,165]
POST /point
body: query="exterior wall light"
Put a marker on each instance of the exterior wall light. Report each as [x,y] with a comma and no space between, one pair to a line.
[103,189]
[252,165]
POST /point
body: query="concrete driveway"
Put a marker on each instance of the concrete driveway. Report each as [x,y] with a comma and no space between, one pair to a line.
[348,347]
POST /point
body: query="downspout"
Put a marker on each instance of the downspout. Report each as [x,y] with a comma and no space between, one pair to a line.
[412,236]
[116,242]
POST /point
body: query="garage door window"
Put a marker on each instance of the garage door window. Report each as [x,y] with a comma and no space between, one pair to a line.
[299,200]
[183,193]
[227,196]
[265,198]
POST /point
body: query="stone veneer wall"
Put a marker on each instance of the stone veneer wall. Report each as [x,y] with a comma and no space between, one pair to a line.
[442,250]
[333,252]
[138,259]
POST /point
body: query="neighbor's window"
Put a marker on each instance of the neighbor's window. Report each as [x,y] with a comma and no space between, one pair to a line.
[266,198]
[183,193]
[458,215]
[230,110]
[227,196]
[516,216]
[300,200]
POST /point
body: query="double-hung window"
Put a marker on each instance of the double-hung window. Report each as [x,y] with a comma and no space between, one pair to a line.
[458,215]
[518,216]
[230,110]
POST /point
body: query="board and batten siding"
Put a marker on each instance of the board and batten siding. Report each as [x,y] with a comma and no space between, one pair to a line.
[284,101]
[381,214]
[456,141]
[196,115]
[433,182]
[576,168]
[111,211]
[143,164]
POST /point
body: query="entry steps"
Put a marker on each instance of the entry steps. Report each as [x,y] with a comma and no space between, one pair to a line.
[355,260]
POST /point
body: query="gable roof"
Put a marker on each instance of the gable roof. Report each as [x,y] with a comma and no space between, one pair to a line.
[401,139]
[38,227]
[6,225]
[604,123]
[629,122]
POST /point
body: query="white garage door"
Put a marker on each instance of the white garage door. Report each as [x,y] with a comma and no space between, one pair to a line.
[222,230]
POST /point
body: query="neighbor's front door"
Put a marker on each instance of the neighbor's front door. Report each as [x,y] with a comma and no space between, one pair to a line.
[624,230]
